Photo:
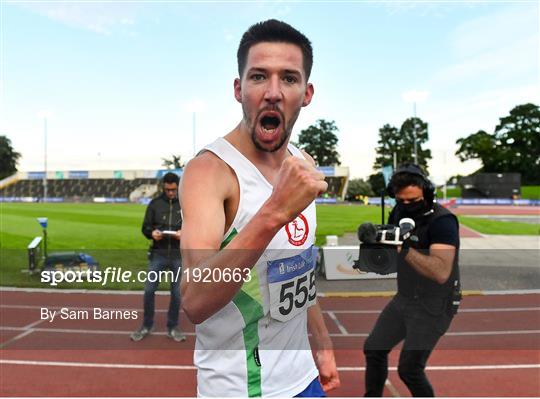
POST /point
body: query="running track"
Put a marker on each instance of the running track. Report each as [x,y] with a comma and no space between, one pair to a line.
[495,210]
[492,348]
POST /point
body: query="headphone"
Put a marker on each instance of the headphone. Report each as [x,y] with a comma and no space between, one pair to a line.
[428,188]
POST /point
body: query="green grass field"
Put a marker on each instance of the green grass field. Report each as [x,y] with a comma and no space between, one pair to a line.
[487,226]
[530,192]
[527,192]
[111,233]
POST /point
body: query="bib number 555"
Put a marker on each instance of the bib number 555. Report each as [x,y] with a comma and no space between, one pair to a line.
[296,293]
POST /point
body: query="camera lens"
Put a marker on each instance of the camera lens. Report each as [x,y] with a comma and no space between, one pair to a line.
[379,258]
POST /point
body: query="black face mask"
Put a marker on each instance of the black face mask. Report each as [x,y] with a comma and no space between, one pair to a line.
[411,210]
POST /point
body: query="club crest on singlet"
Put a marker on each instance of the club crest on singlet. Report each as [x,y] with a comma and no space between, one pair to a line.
[297,230]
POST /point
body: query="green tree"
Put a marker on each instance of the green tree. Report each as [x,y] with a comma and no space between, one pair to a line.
[401,142]
[8,158]
[358,187]
[518,137]
[479,145]
[174,163]
[390,141]
[514,147]
[411,128]
[320,141]
[376,181]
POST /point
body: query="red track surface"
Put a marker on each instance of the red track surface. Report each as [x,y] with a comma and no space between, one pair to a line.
[495,210]
[492,348]
[464,231]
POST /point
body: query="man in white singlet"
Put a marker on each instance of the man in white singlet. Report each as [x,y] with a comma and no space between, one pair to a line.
[248,203]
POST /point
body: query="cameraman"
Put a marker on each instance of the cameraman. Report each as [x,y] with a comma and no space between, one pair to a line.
[428,286]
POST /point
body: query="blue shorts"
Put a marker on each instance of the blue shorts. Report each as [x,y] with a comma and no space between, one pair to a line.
[313,390]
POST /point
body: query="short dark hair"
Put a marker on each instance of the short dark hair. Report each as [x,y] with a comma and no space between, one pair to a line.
[170,178]
[274,31]
[401,180]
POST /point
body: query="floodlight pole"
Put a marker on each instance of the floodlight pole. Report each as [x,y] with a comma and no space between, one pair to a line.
[445,178]
[45,158]
[45,242]
[382,205]
[193,126]
[414,134]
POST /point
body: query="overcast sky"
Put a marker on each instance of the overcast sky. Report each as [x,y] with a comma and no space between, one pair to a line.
[119,80]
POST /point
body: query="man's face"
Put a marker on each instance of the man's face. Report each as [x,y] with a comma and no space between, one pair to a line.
[272,91]
[170,190]
[409,195]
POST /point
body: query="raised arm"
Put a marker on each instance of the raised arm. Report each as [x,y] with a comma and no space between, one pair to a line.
[207,184]
[437,266]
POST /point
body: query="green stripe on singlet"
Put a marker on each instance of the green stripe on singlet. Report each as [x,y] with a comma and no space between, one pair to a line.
[251,311]
[249,302]
[227,240]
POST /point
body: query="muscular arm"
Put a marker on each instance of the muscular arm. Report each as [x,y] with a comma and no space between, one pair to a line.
[444,239]
[324,357]
[206,186]
[436,266]
[318,329]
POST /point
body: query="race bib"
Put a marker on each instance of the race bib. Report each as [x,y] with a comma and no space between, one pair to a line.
[292,284]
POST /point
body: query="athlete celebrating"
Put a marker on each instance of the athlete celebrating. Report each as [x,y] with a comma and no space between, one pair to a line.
[249,229]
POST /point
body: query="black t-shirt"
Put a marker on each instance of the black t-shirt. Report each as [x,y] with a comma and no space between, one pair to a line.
[444,230]
[439,228]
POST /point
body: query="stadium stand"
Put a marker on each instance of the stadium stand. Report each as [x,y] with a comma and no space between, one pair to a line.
[337,178]
[120,185]
[69,188]
[84,186]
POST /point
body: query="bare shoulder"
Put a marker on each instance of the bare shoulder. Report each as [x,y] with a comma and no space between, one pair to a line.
[309,158]
[206,172]
[206,186]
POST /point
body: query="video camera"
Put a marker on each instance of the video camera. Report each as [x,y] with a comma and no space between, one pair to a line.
[378,252]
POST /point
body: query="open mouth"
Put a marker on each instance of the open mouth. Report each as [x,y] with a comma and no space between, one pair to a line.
[270,122]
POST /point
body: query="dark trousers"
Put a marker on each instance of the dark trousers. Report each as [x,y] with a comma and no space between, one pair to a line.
[420,322]
[161,262]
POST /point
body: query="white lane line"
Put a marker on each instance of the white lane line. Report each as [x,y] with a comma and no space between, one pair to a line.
[182,367]
[382,294]
[340,326]
[35,323]
[457,368]
[141,292]
[81,331]
[507,332]
[26,331]
[21,335]
[463,310]
[395,393]
[512,292]
[118,332]
[97,365]
[481,310]
[462,333]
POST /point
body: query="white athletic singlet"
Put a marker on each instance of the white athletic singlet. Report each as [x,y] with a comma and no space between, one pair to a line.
[257,345]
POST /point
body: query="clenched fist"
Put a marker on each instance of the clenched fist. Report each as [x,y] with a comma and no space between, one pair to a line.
[298,183]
